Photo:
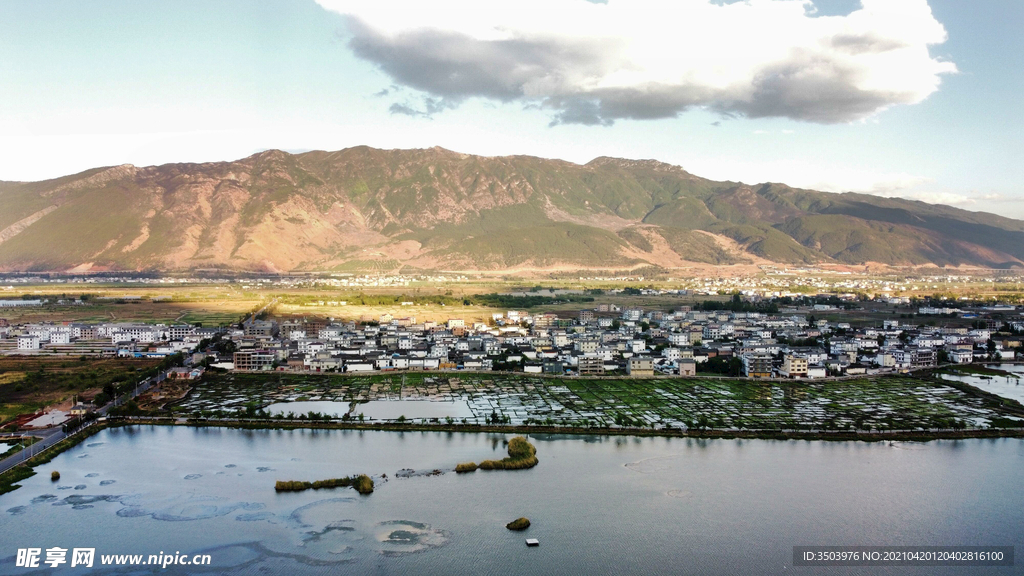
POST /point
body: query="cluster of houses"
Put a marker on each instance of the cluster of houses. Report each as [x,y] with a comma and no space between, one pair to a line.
[607,340]
[106,339]
[599,341]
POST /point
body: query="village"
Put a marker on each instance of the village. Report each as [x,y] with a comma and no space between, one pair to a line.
[741,338]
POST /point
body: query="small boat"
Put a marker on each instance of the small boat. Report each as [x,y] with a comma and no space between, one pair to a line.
[532,542]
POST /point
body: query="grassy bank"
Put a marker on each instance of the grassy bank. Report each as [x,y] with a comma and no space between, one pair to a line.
[796,434]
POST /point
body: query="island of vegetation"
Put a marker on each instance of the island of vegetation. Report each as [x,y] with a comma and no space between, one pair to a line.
[518,524]
[54,475]
[362,483]
[521,455]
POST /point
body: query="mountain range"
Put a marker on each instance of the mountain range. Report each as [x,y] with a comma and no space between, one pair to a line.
[363,209]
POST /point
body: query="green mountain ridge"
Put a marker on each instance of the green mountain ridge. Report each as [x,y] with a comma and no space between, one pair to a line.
[434,209]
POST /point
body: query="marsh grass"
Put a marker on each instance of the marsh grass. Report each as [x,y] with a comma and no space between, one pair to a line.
[466,467]
[521,455]
[362,483]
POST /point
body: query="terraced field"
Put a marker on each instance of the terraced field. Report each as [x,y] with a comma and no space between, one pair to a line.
[870,403]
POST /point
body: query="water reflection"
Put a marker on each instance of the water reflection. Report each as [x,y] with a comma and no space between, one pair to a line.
[1011,386]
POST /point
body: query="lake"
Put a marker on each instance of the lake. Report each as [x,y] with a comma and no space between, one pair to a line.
[599,504]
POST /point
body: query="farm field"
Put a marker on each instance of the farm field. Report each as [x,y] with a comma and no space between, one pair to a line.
[30,383]
[214,304]
[869,403]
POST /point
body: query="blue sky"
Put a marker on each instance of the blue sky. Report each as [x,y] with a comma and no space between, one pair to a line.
[741,90]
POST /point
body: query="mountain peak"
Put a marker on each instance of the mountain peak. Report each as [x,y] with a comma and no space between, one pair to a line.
[646,164]
[368,209]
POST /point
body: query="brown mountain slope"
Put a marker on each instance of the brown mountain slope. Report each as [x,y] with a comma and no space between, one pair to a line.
[363,208]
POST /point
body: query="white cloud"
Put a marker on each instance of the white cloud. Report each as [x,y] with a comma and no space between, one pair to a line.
[594,63]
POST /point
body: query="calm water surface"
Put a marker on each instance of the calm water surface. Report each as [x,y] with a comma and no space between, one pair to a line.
[599,505]
[1005,386]
[378,409]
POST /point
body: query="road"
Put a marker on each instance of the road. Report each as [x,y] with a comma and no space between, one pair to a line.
[256,314]
[50,436]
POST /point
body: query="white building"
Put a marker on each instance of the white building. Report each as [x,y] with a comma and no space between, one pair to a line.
[679,338]
[28,343]
[19,303]
[961,356]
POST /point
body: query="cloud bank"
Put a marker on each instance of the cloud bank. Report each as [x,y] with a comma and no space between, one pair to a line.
[595,63]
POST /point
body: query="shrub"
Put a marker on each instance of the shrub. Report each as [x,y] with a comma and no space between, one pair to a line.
[54,475]
[332,483]
[466,467]
[519,448]
[521,455]
[518,524]
[291,486]
[363,484]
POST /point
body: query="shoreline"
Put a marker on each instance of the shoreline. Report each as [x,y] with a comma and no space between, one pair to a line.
[830,435]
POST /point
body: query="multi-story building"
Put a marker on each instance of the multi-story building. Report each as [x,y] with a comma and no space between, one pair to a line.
[587,345]
[922,357]
[687,367]
[179,331]
[28,343]
[640,366]
[679,338]
[261,329]
[758,365]
[254,360]
[590,365]
[794,366]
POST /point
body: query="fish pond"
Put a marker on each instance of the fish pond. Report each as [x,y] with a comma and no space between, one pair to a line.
[868,403]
